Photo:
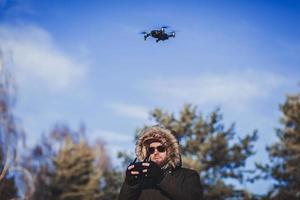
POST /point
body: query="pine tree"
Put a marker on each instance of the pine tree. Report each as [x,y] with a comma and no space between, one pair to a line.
[285,154]
[75,177]
[210,149]
[39,162]
[111,184]
[46,162]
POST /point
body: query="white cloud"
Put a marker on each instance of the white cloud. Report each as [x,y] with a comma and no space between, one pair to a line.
[235,90]
[37,59]
[114,142]
[111,136]
[131,111]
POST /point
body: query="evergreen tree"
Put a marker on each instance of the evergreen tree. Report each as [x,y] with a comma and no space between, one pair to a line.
[59,143]
[39,163]
[210,149]
[111,184]
[285,154]
[75,177]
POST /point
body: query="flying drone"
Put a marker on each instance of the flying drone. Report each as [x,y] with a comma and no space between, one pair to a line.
[159,34]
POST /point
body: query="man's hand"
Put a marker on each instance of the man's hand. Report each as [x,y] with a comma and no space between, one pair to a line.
[153,171]
[134,172]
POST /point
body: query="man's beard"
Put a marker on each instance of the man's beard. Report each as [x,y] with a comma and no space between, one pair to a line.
[160,162]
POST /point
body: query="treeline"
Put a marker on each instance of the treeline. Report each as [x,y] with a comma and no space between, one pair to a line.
[64,166]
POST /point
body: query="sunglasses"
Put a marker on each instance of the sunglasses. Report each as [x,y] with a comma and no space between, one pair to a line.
[160,149]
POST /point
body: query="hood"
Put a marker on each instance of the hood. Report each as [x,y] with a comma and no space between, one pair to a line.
[162,135]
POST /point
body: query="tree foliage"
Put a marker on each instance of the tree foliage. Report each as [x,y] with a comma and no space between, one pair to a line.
[9,132]
[75,177]
[285,154]
[66,166]
[211,149]
[8,190]
[111,184]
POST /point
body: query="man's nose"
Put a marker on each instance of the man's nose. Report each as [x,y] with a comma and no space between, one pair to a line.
[156,151]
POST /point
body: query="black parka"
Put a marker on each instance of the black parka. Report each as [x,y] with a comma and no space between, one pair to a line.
[177,183]
[181,184]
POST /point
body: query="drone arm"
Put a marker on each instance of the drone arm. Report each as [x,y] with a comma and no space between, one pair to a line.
[146,35]
[172,34]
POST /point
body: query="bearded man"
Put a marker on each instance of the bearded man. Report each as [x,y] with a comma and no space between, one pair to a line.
[158,175]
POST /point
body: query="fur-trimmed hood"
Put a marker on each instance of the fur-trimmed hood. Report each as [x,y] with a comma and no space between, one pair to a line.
[164,136]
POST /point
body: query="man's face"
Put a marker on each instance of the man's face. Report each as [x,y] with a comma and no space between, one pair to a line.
[156,156]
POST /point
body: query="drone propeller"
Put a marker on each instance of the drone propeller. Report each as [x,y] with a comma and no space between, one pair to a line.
[145,34]
[173,34]
[163,28]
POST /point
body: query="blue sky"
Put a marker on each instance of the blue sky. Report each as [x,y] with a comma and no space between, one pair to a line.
[85,62]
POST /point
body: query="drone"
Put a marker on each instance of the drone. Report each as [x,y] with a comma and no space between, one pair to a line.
[159,34]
